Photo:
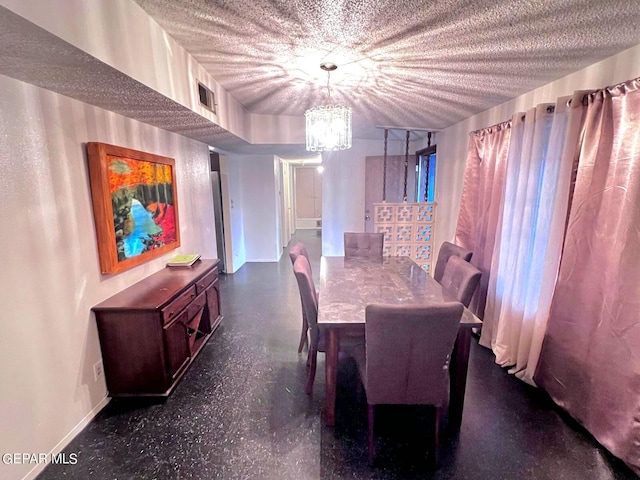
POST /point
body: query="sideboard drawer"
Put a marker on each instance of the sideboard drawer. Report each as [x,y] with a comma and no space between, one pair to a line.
[174,308]
[196,305]
[208,279]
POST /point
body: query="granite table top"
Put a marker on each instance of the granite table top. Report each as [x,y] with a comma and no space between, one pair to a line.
[348,285]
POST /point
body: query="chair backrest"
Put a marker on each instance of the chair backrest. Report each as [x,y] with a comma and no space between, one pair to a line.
[447,250]
[407,352]
[302,271]
[363,244]
[460,280]
[296,250]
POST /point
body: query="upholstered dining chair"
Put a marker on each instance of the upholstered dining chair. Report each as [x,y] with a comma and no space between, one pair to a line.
[298,249]
[294,252]
[406,357]
[317,342]
[460,280]
[448,249]
[302,271]
[363,244]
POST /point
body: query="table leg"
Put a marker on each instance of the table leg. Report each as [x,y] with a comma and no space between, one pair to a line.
[331,371]
[458,377]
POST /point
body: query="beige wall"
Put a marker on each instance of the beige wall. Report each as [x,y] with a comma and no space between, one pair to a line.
[256,183]
[231,180]
[343,190]
[50,273]
[452,142]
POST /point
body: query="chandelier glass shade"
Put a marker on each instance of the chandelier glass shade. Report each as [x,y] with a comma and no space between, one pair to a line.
[328,127]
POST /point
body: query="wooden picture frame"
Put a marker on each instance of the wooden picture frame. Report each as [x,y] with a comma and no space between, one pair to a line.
[135,205]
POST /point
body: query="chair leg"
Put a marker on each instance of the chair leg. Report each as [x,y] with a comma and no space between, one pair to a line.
[313,354]
[303,336]
[359,388]
[372,445]
[437,411]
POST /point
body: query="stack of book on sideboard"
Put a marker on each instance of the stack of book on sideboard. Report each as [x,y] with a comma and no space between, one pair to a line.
[183,260]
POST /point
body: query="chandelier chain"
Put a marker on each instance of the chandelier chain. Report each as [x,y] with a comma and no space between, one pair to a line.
[384,168]
[427,164]
[406,166]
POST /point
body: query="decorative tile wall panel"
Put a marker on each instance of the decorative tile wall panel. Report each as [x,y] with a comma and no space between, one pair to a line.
[408,230]
[403,234]
[426,212]
[404,213]
[384,213]
[402,250]
[387,229]
[424,233]
[422,252]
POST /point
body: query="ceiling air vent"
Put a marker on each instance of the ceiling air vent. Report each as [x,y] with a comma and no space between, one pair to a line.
[206,97]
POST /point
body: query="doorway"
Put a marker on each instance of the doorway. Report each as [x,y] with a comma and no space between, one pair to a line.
[308,197]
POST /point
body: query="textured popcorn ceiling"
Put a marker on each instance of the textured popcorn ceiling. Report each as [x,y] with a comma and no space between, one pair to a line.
[409,63]
[33,55]
[401,63]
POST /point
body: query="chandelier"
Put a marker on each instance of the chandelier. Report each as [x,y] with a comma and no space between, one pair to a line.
[328,126]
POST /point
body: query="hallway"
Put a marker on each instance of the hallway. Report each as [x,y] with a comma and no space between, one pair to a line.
[241,412]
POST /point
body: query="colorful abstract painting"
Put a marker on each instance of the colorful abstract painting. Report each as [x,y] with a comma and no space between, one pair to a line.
[139,203]
[143,211]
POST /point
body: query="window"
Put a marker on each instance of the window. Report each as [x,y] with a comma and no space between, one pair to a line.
[426,174]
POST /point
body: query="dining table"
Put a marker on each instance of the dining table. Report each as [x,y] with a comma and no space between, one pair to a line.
[348,284]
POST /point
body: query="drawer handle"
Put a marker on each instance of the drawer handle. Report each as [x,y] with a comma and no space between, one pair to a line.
[171,313]
[193,295]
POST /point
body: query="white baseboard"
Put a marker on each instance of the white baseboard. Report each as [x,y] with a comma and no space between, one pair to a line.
[308,223]
[37,470]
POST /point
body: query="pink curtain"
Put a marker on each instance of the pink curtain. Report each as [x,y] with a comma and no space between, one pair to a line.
[481,201]
[590,358]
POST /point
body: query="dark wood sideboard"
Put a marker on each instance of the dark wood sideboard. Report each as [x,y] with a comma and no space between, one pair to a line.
[152,331]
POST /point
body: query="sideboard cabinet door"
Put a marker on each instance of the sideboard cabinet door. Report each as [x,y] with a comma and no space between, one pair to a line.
[177,345]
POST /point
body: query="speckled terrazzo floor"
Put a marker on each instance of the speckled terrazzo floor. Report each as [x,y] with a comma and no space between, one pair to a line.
[241,412]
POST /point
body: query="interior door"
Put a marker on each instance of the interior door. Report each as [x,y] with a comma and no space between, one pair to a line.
[308,195]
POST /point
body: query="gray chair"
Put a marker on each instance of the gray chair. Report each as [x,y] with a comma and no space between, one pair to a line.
[460,280]
[294,252]
[447,250]
[406,357]
[317,343]
[302,271]
[363,244]
[298,249]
